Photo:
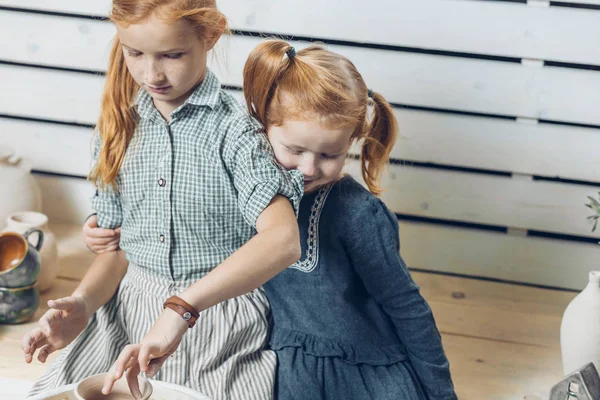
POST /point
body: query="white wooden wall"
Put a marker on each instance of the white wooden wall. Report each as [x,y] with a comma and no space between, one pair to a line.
[498,104]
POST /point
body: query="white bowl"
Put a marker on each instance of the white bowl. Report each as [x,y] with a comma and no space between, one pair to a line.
[162,391]
[90,388]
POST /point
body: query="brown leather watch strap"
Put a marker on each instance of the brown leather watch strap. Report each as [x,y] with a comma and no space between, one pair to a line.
[183,308]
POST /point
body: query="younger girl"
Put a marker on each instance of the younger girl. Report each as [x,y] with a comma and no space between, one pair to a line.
[187,174]
[348,320]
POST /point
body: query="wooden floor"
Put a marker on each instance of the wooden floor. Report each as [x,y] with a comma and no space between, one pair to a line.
[502,340]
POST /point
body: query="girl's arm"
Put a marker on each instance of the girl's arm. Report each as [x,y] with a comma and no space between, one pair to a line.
[373,247]
[102,279]
[68,316]
[275,247]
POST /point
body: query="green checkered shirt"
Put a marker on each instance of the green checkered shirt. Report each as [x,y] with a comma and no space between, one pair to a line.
[189,192]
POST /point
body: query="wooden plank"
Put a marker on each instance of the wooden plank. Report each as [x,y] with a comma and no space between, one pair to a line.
[501,145]
[49,147]
[480,27]
[478,198]
[593,2]
[493,255]
[498,28]
[459,84]
[493,370]
[55,95]
[501,296]
[88,7]
[493,310]
[57,41]
[407,78]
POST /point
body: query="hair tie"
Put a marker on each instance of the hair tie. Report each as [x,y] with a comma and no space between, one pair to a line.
[291,52]
[370,93]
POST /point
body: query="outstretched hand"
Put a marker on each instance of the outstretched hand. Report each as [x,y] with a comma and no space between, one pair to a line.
[148,356]
[59,326]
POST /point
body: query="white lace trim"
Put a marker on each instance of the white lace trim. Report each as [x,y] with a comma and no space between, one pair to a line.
[312,241]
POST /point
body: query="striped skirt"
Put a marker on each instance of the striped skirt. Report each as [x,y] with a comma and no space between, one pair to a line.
[222,356]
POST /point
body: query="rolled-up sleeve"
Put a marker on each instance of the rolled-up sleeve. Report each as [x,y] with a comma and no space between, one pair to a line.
[106,201]
[257,177]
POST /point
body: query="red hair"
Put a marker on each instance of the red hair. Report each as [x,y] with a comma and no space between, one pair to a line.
[118,116]
[319,82]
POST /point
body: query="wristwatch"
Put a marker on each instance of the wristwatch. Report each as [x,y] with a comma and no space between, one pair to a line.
[183,308]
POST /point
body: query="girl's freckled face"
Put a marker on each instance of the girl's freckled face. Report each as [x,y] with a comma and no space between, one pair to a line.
[311,148]
[168,60]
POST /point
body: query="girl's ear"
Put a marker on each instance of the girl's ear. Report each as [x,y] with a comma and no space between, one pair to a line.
[211,40]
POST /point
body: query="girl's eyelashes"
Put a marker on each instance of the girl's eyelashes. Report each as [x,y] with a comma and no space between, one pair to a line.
[133,53]
[171,56]
[330,156]
[293,151]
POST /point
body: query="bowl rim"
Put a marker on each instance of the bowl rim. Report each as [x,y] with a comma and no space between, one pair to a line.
[70,388]
[103,374]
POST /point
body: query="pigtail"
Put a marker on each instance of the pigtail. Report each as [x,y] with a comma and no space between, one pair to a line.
[118,118]
[378,142]
[261,73]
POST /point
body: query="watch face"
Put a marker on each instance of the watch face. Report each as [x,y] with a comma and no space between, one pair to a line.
[187,316]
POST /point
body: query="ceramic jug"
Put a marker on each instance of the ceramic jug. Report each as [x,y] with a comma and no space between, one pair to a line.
[21,222]
[19,259]
[580,328]
[18,189]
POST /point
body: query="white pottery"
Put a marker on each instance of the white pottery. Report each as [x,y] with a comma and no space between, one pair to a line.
[580,328]
[161,391]
[20,222]
[91,388]
[18,189]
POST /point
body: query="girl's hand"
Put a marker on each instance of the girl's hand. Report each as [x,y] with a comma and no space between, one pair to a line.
[148,356]
[59,326]
[100,240]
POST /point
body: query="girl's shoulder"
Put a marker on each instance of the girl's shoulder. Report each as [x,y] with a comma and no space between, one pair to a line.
[235,116]
[356,203]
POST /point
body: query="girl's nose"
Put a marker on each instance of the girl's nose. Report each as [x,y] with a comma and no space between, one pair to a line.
[154,75]
[308,169]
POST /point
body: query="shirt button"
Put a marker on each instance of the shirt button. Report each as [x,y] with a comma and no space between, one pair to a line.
[161,182]
[161,238]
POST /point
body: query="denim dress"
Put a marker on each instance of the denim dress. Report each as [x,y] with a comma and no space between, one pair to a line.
[348,321]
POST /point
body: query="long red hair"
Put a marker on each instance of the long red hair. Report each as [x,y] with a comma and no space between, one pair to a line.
[280,85]
[118,116]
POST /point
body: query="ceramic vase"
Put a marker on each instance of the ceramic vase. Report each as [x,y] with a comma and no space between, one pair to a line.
[18,189]
[21,222]
[580,328]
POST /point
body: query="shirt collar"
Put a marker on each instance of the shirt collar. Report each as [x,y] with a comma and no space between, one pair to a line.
[207,93]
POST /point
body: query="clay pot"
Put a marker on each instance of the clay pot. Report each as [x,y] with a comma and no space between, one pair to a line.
[17,305]
[19,190]
[580,328]
[21,222]
[91,389]
[19,260]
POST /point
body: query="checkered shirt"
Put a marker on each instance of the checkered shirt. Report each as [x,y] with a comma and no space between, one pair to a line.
[189,191]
